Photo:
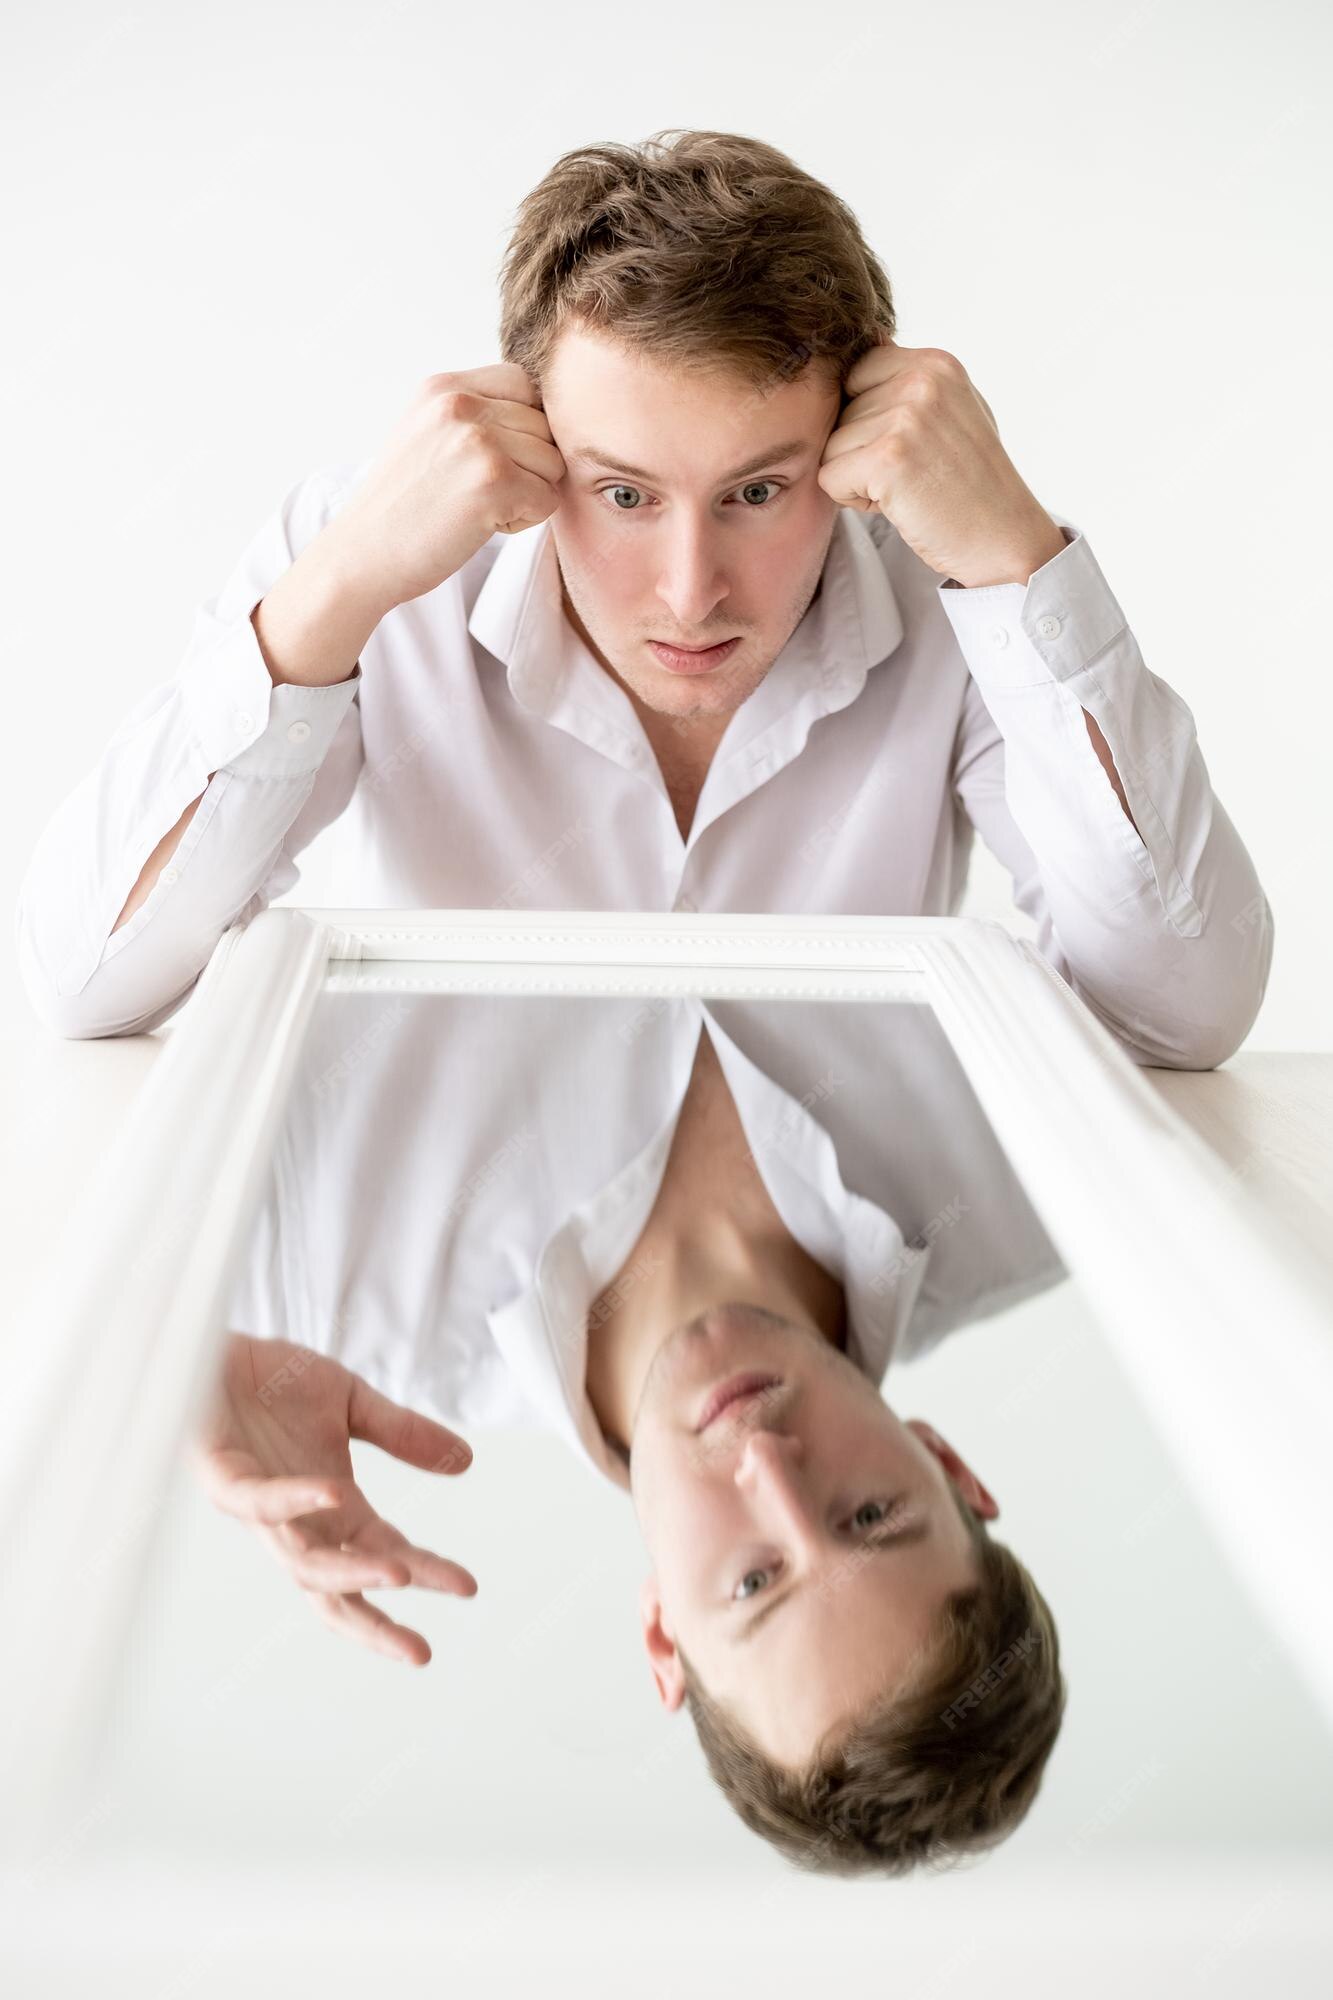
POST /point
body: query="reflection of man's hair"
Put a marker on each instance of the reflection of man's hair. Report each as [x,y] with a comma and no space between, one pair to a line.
[942,1765]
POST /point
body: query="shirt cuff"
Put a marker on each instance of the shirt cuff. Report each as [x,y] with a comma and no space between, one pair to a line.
[244,722]
[1016,635]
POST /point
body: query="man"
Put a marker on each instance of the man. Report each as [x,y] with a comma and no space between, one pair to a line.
[682,1283]
[701,428]
[462,652]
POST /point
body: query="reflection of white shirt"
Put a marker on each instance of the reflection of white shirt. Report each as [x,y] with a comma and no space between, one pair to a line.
[458,1179]
[480,758]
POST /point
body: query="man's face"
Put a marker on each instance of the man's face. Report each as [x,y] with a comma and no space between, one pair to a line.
[683,551]
[803,1542]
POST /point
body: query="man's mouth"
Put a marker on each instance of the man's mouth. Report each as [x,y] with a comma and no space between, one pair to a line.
[735,1389]
[693,659]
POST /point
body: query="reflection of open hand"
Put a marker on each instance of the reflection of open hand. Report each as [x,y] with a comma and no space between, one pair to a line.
[272,1449]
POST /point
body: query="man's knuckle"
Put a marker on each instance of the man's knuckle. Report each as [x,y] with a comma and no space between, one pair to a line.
[457,406]
[925,385]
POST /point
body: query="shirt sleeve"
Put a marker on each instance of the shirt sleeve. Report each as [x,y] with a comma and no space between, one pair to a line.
[1164,933]
[283,762]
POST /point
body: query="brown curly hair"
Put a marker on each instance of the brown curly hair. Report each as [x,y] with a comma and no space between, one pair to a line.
[942,1766]
[709,250]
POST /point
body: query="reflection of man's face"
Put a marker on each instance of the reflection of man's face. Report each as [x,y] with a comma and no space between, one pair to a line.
[683,551]
[803,1543]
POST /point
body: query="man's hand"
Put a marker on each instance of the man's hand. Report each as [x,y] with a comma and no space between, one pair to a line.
[916,440]
[471,456]
[272,1450]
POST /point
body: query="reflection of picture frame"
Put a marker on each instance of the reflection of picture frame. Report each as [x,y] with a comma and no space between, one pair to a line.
[1181,1275]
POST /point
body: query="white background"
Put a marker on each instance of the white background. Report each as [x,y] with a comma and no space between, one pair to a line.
[234,241]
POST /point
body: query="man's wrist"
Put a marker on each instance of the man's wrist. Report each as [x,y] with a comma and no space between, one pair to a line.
[314,621]
[1020,568]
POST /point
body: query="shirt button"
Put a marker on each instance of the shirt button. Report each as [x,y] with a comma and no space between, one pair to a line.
[298,732]
[243,720]
[1000,636]
[167,875]
[1049,627]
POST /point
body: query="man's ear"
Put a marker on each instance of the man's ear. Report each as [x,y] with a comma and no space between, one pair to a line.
[662,1655]
[976,1495]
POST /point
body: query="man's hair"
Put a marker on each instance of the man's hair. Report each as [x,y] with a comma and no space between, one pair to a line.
[706,250]
[942,1765]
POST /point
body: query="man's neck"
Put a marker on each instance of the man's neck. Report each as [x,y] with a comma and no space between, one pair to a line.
[713,1236]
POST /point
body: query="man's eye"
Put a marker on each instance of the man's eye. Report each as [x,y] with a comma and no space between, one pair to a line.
[749,487]
[876,1510]
[614,491]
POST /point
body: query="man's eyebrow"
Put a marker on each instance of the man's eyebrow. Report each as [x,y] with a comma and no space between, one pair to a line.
[904,1536]
[778,454]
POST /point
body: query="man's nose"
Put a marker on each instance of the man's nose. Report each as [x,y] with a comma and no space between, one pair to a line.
[769,1469]
[692,584]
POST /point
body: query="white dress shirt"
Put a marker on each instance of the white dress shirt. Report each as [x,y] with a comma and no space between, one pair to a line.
[458,1179]
[481,758]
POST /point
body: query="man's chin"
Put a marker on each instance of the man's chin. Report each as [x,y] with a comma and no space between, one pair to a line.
[690,694]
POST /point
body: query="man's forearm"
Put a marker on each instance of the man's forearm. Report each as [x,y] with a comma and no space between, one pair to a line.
[311,627]
[1021,570]
[1163,930]
[314,622]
